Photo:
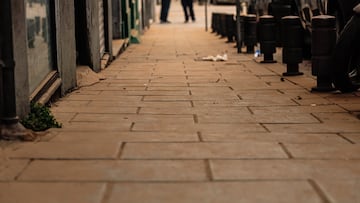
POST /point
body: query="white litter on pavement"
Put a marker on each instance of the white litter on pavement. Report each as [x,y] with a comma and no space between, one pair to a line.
[215,58]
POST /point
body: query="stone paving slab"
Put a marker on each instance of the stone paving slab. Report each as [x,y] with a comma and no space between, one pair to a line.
[215,102]
[260,94]
[88,109]
[334,127]
[124,82]
[189,98]
[10,169]
[83,137]
[145,93]
[120,104]
[197,110]
[167,84]
[64,103]
[124,170]
[296,109]
[215,192]
[123,87]
[11,192]
[101,98]
[117,118]
[323,151]
[63,117]
[221,83]
[51,150]
[92,127]
[336,117]
[351,107]
[341,190]
[165,88]
[263,118]
[284,169]
[294,138]
[231,128]
[354,137]
[166,126]
[202,151]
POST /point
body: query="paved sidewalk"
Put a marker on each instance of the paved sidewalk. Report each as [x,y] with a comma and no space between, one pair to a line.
[167,128]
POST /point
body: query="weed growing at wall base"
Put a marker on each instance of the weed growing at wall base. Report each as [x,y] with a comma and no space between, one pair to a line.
[40,118]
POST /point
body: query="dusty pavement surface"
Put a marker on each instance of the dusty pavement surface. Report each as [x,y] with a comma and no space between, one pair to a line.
[165,127]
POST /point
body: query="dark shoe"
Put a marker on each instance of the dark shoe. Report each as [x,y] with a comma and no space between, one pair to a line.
[186,21]
[165,22]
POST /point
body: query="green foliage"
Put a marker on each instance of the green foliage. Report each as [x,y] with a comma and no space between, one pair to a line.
[40,118]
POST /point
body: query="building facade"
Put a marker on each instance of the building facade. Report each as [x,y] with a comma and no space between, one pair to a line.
[51,38]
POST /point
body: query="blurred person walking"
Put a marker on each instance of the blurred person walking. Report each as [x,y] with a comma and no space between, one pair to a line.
[188,9]
[165,6]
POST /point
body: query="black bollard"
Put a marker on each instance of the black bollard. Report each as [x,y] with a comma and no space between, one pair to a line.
[238,35]
[213,27]
[279,9]
[230,27]
[292,40]
[215,23]
[250,32]
[267,37]
[222,25]
[323,40]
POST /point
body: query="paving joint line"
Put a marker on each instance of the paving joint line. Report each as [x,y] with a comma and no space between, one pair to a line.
[138,110]
[317,118]
[199,134]
[132,126]
[345,138]
[109,187]
[192,103]
[267,129]
[319,191]
[23,170]
[121,150]
[73,117]
[287,152]
[250,110]
[196,119]
[208,170]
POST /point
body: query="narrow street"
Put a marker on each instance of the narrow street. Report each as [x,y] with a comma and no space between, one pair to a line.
[166,126]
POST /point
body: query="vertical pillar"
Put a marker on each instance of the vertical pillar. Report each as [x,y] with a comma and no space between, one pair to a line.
[267,37]
[10,127]
[230,25]
[279,9]
[238,27]
[323,40]
[250,32]
[292,40]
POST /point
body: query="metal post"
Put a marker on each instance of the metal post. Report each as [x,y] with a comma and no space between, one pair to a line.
[250,38]
[206,15]
[10,128]
[238,27]
[267,37]
[292,41]
[323,40]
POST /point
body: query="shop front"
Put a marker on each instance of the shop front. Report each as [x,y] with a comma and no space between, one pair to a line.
[40,23]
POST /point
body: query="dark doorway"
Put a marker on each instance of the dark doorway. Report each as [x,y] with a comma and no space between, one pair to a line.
[81,31]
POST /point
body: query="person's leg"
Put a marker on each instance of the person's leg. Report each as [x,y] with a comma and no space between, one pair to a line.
[191,9]
[167,8]
[165,5]
[184,5]
[162,12]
